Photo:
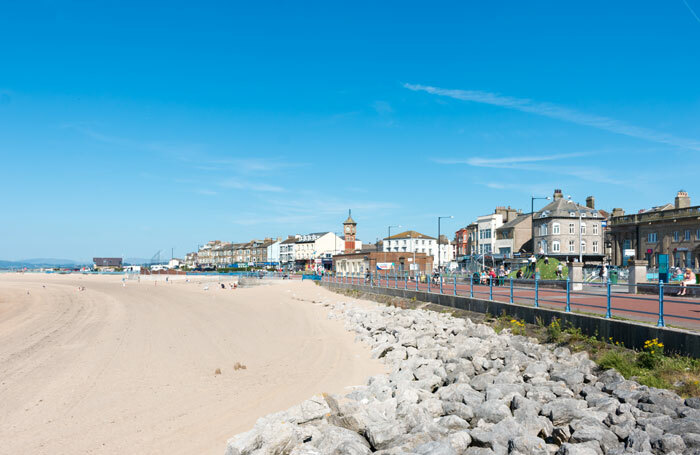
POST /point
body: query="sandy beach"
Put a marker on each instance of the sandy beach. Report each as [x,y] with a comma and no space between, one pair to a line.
[115,370]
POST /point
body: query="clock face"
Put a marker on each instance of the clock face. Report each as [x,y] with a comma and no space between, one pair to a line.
[347,228]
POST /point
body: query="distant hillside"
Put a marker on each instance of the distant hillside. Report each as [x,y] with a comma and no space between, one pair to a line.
[39,262]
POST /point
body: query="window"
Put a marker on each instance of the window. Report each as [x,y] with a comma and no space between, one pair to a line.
[571,246]
[572,214]
[583,214]
[583,228]
[555,230]
[676,237]
[543,229]
[583,246]
[651,237]
[572,228]
[686,237]
[595,246]
[595,229]
[555,246]
[594,214]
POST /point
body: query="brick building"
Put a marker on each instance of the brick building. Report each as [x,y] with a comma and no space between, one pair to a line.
[358,264]
[672,229]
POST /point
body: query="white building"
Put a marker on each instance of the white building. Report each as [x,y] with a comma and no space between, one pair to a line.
[287,252]
[273,251]
[486,232]
[175,263]
[415,242]
[318,245]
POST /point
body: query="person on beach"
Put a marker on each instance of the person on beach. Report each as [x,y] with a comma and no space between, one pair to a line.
[688,278]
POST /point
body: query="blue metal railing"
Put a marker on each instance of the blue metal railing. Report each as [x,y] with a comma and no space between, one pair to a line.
[645,301]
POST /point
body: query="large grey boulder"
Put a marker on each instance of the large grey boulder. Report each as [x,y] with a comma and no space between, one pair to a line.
[491,411]
[563,410]
[527,445]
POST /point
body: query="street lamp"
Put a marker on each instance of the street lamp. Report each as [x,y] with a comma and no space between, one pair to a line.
[532,214]
[438,242]
[580,252]
[387,239]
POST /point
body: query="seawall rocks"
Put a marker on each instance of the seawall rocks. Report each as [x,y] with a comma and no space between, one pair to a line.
[457,387]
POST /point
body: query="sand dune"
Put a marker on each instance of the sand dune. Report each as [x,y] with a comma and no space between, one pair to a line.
[131,369]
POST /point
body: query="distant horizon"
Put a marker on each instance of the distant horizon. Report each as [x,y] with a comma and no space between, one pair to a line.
[128,129]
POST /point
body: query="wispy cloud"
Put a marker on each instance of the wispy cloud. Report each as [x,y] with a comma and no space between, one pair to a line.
[560,113]
[507,162]
[206,192]
[251,186]
[691,11]
[382,107]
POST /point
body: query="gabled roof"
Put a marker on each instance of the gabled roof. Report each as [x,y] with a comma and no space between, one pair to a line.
[512,223]
[562,208]
[410,235]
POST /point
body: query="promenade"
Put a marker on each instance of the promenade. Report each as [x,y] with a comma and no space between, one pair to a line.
[593,298]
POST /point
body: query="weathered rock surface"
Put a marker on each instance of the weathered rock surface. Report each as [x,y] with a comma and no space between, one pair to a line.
[457,387]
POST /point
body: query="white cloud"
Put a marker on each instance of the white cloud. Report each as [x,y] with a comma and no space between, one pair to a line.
[251,186]
[512,161]
[206,192]
[560,113]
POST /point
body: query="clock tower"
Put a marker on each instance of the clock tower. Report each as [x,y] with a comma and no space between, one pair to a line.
[349,230]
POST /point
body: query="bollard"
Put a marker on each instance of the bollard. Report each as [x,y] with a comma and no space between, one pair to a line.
[537,293]
[455,284]
[490,288]
[568,295]
[608,313]
[660,323]
[511,290]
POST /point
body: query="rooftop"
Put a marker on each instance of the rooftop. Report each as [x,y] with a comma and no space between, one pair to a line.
[409,235]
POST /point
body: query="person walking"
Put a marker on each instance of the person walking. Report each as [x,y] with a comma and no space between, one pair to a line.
[501,275]
[559,270]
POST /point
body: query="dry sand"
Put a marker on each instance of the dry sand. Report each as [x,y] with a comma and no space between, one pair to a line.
[131,369]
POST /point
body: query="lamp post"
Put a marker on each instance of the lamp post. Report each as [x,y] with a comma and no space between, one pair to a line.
[580,252]
[438,242]
[532,221]
[387,239]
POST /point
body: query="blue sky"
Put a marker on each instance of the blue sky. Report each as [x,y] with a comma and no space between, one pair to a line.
[128,128]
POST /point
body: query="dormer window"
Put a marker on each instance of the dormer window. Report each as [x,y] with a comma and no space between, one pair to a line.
[572,214]
[595,214]
[583,215]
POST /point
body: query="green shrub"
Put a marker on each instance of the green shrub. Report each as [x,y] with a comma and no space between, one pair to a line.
[652,356]
[554,331]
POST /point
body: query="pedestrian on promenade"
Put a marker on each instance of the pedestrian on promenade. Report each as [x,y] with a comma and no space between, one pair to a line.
[501,275]
[559,270]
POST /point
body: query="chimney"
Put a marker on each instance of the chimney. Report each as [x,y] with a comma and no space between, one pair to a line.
[557,194]
[618,212]
[682,200]
[590,202]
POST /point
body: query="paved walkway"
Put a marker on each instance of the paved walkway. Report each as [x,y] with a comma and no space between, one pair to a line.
[677,311]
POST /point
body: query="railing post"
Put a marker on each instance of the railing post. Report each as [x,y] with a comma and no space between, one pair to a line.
[396,280]
[455,285]
[608,313]
[405,281]
[660,323]
[568,295]
[511,290]
[429,280]
[416,278]
[440,279]
[471,287]
[490,288]
[537,292]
